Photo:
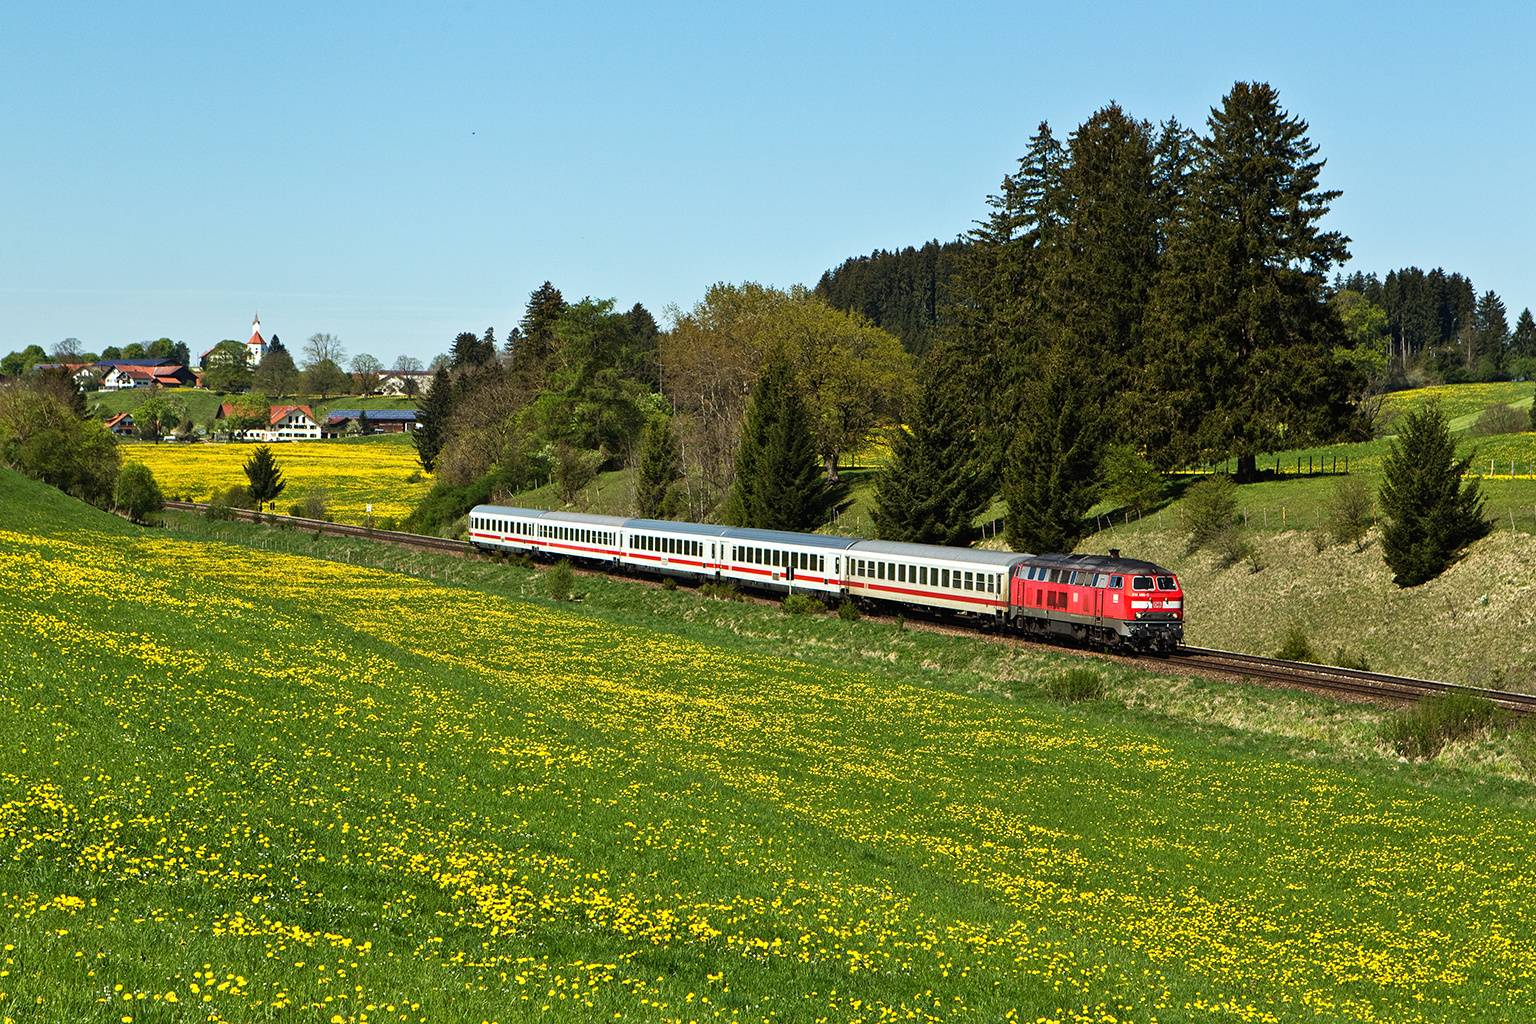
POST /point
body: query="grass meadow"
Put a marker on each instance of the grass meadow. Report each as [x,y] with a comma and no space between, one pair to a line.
[242,783]
[375,470]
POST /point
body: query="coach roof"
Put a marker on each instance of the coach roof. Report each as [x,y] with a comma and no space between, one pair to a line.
[979,556]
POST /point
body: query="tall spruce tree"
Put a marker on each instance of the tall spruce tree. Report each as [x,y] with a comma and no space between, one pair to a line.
[1431,515]
[658,468]
[1523,341]
[938,481]
[1241,318]
[431,431]
[1049,479]
[778,480]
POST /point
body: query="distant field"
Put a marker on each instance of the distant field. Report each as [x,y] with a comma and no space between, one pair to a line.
[356,472]
[241,784]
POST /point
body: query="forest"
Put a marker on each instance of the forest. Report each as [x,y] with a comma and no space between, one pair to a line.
[1137,297]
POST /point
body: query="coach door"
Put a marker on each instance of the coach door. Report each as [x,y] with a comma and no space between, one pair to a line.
[1098,600]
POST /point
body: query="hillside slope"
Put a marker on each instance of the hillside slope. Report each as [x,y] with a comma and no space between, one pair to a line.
[241,784]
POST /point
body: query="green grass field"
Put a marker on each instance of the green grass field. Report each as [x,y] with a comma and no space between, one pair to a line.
[238,782]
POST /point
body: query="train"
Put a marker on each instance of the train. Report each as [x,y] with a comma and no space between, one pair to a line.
[1122,603]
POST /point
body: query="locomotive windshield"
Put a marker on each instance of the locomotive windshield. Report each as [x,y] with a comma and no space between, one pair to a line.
[1141,583]
[1167,583]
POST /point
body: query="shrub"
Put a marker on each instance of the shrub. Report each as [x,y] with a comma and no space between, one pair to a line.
[1422,731]
[456,529]
[849,612]
[668,583]
[1350,512]
[218,511]
[317,499]
[137,493]
[1295,646]
[238,497]
[800,604]
[1230,546]
[296,510]
[1208,510]
[1500,419]
[415,477]
[1075,684]
[1522,742]
[559,581]
[388,524]
[1343,658]
[722,592]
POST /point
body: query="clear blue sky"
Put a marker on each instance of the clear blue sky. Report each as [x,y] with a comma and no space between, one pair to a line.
[394,174]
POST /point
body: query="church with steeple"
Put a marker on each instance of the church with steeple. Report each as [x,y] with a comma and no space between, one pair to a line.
[257,346]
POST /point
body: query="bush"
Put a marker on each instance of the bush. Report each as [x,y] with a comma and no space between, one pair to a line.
[1344,659]
[1075,684]
[722,592]
[1231,547]
[559,581]
[317,499]
[415,477]
[1422,731]
[800,604]
[456,529]
[668,583]
[137,493]
[388,524]
[1295,646]
[1350,512]
[1208,510]
[238,497]
[218,511]
[1500,419]
[849,612]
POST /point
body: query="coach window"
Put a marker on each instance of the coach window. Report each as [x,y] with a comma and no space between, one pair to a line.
[967,581]
[945,578]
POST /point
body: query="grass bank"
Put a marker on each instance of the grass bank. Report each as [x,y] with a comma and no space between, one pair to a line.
[242,782]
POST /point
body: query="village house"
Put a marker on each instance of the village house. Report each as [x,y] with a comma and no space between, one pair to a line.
[121,424]
[286,423]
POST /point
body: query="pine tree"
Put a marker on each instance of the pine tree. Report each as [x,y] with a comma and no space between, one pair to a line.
[658,468]
[470,350]
[778,480]
[266,480]
[1431,515]
[431,431]
[1049,479]
[1523,341]
[536,331]
[1240,315]
[937,481]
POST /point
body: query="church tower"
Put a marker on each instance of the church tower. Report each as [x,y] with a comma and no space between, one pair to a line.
[256,348]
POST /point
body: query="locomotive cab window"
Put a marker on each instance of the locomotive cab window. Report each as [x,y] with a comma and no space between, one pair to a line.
[1117,583]
[1167,583]
[1141,582]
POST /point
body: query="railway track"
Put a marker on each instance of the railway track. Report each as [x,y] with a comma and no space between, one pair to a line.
[439,545]
[1350,684]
